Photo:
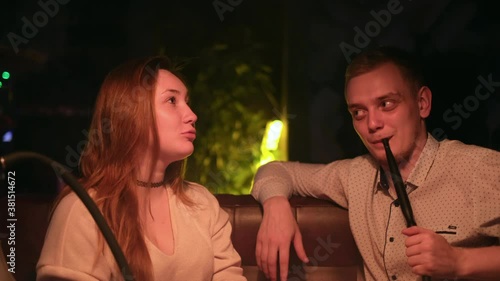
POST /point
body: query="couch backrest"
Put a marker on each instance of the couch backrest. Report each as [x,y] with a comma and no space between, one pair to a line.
[324,226]
[327,238]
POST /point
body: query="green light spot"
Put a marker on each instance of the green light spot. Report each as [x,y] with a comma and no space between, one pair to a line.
[5,75]
[1,85]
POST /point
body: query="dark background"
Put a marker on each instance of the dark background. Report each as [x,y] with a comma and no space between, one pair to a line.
[56,74]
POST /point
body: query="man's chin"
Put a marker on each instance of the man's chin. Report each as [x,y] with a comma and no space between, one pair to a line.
[382,160]
[377,152]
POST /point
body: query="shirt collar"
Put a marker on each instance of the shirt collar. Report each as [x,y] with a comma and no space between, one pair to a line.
[419,173]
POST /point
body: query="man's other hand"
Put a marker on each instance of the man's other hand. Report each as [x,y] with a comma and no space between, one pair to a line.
[277,229]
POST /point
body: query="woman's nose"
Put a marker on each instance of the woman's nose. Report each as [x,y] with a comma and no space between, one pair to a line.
[190,116]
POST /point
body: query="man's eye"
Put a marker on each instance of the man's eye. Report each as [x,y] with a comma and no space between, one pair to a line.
[358,114]
[388,104]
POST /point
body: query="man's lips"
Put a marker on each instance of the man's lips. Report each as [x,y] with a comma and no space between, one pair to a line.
[378,142]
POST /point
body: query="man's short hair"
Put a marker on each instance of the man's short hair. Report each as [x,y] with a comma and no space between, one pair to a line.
[408,65]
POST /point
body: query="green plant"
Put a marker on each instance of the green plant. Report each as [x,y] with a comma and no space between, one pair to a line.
[231,98]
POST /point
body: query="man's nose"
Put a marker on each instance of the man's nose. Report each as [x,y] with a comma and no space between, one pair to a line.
[375,121]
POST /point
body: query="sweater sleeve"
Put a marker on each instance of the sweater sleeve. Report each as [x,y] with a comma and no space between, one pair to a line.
[227,262]
[70,250]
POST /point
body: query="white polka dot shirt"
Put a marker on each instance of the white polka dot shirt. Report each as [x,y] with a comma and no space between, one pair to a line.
[454,189]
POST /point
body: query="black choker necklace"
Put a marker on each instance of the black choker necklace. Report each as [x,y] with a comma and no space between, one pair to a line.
[152,184]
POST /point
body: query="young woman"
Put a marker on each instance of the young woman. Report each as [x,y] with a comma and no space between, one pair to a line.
[169,229]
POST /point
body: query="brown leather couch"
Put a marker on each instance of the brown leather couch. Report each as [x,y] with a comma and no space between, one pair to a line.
[324,226]
[327,238]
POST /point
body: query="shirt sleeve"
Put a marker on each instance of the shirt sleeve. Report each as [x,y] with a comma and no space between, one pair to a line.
[325,181]
[486,190]
[70,250]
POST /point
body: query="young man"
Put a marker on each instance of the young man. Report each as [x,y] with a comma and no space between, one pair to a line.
[454,188]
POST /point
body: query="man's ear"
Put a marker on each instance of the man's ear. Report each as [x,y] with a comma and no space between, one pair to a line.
[424,100]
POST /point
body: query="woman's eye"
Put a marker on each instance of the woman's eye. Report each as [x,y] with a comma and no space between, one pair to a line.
[171,100]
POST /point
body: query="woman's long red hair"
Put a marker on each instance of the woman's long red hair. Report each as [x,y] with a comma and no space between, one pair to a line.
[123,121]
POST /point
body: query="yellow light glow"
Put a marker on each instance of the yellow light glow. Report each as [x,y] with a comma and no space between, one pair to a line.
[270,147]
[273,134]
[266,159]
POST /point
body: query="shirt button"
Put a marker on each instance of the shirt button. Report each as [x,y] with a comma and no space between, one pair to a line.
[393,277]
[392,240]
[396,203]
